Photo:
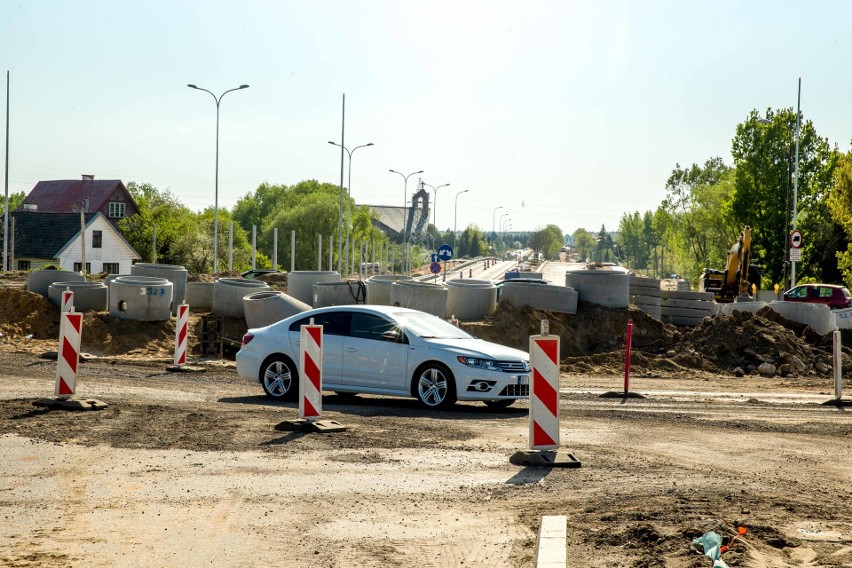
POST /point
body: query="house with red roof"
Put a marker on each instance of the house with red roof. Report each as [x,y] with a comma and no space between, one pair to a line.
[107,196]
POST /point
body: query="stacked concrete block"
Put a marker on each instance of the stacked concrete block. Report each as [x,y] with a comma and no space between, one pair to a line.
[821,319]
[602,287]
[645,294]
[684,308]
[675,284]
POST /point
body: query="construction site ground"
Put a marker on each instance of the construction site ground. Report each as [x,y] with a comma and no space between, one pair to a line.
[189,468]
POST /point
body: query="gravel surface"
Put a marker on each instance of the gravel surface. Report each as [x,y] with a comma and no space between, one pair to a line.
[189,469]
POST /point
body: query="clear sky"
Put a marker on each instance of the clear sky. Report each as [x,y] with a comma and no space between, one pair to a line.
[561,112]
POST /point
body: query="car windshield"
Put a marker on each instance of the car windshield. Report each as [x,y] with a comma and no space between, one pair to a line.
[429,326]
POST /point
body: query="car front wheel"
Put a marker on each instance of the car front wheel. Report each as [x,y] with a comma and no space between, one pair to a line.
[434,386]
[279,378]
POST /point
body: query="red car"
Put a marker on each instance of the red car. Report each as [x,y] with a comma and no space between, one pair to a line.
[836,297]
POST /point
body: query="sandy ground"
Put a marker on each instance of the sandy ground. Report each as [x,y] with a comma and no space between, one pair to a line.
[189,469]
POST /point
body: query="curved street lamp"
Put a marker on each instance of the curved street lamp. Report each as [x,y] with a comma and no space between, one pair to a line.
[348,199]
[435,203]
[456,215]
[493,217]
[404,203]
[216,195]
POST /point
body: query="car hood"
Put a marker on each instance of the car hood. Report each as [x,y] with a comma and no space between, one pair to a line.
[477,348]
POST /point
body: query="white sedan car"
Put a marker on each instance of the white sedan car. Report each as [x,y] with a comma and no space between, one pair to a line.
[388,351]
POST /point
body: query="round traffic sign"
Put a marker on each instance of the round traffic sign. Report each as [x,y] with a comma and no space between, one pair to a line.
[435,267]
[445,252]
[796,239]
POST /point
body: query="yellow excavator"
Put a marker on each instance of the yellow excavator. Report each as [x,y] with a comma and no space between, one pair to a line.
[739,275]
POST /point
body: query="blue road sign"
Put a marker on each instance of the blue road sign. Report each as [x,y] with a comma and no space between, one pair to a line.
[445,252]
[435,268]
[434,257]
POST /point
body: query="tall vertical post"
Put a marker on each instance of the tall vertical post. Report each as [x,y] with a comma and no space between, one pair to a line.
[319,253]
[292,251]
[154,246]
[231,247]
[796,178]
[82,240]
[253,247]
[330,253]
[275,248]
[6,186]
[340,207]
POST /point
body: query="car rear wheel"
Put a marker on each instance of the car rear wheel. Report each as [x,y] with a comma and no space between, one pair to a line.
[499,404]
[434,386]
[279,378]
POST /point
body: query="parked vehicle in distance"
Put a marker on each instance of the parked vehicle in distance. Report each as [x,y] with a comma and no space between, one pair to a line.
[253,274]
[836,297]
[387,350]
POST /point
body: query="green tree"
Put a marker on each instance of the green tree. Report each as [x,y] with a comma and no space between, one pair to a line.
[173,221]
[764,156]
[584,242]
[839,205]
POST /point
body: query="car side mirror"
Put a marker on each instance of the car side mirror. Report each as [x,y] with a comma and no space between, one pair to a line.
[392,335]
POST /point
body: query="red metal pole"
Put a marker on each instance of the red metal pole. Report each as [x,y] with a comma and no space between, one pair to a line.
[627,358]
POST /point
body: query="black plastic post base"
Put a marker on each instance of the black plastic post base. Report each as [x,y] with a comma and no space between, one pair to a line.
[70,403]
[545,458]
[304,425]
[621,394]
[844,402]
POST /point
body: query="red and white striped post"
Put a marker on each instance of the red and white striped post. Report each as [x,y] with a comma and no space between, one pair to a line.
[629,343]
[181,333]
[67,304]
[544,393]
[70,333]
[310,372]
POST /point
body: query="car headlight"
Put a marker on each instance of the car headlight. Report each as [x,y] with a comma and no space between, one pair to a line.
[478,363]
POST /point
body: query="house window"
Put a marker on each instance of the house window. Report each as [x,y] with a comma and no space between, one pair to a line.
[78,266]
[23,265]
[97,239]
[111,267]
[116,210]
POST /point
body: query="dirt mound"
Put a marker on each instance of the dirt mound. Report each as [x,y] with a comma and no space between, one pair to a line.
[24,313]
[593,329]
[593,341]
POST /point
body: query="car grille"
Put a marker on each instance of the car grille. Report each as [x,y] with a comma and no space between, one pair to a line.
[514,366]
[515,390]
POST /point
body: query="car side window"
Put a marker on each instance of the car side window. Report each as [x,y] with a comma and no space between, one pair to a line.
[799,292]
[369,326]
[825,292]
[333,323]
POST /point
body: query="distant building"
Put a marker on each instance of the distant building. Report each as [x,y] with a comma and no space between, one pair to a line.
[399,222]
[107,196]
[41,239]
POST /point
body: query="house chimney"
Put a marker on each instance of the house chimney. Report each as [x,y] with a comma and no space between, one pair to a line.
[88,177]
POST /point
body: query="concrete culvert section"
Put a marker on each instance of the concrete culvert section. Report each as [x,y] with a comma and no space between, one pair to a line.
[228,294]
[199,295]
[267,307]
[300,284]
[379,288]
[140,298]
[339,293]
[423,296]
[471,299]
[173,273]
[39,281]
[821,319]
[540,296]
[87,295]
[603,287]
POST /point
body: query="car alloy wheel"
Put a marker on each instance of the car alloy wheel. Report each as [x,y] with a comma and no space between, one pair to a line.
[435,386]
[279,379]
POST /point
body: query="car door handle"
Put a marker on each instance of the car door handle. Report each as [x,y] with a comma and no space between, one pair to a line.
[351,349]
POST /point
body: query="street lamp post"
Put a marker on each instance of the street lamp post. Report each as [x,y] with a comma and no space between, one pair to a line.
[348,197]
[456,215]
[435,208]
[216,195]
[796,178]
[404,216]
[494,220]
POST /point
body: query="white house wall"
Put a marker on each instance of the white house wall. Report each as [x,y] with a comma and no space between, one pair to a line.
[114,249]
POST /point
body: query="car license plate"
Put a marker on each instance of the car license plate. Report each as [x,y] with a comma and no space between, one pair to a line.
[523,380]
